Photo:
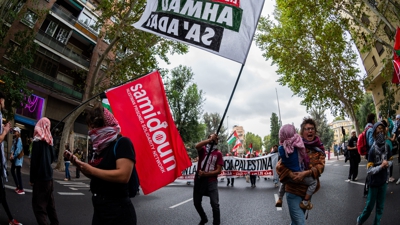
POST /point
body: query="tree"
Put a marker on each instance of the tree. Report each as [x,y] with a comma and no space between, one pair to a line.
[366,107]
[255,140]
[388,106]
[212,121]
[185,101]
[267,143]
[135,53]
[274,132]
[314,57]
[18,55]
[324,131]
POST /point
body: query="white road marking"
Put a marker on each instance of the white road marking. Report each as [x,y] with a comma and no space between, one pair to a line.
[355,182]
[276,199]
[181,203]
[70,193]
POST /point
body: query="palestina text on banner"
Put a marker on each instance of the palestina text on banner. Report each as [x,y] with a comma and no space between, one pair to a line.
[214,25]
[263,166]
[142,109]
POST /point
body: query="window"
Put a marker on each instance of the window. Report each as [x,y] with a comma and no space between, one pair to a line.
[365,19]
[89,21]
[375,62]
[29,18]
[379,48]
[62,36]
[10,49]
[12,10]
[389,33]
[45,65]
[51,29]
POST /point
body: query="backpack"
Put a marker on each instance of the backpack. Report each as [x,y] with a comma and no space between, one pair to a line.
[362,142]
[133,184]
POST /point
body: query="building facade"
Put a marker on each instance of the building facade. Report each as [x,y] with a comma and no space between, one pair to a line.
[242,137]
[68,49]
[336,126]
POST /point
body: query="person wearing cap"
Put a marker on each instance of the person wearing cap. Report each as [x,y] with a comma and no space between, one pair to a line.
[4,129]
[379,161]
[354,157]
[17,158]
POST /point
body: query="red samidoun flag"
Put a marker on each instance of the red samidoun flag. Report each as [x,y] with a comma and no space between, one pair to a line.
[142,110]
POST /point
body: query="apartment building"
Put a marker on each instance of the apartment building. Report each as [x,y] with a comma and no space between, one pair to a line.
[242,137]
[336,126]
[69,47]
[378,60]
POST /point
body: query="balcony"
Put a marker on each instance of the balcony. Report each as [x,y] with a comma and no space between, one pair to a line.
[68,17]
[371,69]
[52,83]
[56,45]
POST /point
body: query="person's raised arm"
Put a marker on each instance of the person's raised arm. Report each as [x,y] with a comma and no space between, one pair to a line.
[213,137]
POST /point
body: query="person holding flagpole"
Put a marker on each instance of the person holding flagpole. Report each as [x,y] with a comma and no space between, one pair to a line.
[209,167]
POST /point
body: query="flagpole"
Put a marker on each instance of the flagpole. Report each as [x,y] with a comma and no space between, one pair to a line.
[223,116]
[90,99]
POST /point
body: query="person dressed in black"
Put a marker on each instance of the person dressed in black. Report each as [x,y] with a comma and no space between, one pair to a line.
[355,158]
[41,174]
[109,170]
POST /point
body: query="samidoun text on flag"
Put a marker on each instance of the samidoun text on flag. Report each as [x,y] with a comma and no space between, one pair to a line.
[214,25]
[142,110]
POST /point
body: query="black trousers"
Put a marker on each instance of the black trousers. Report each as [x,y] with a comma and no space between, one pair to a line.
[43,203]
[354,161]
[113,210]
[253,179]
[212,192]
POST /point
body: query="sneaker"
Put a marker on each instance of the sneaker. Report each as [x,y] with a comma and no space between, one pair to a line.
[203,222]
[391,179]
[276,185]
[21,192]
[14,222]
[398,181]
[306,205]
[65,179]
[356,178]
[348,180]
[16,190]
[278,203]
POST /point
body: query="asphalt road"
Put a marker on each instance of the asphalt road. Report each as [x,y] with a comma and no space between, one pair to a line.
[337,202]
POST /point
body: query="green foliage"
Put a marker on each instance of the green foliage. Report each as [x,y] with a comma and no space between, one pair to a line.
[338,118]
[388,105]
[20,55]
[267,143]
[315,60]
[324,131]
[255,140]
[212,122]
[137,52]
[366,107]
[274,132]
[185,101]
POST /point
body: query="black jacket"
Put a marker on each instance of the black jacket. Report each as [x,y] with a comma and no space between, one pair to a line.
[41,158]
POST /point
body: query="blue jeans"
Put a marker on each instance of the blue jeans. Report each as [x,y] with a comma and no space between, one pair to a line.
[296,213]
[67,175]
[375,195]
[214,201]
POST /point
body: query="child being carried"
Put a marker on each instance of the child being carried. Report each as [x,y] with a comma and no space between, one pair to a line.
[294,157]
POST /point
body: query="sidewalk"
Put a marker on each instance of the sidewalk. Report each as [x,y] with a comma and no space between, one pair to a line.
[57,175]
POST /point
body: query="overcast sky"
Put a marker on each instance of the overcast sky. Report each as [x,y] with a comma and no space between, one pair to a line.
[255,98]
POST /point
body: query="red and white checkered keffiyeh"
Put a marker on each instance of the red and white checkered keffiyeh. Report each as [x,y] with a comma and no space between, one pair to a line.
[101,137]
[42,131]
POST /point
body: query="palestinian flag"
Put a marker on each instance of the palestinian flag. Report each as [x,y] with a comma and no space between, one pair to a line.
[251,148]
[106,104]
[237,145]
[232,139]
[396,58]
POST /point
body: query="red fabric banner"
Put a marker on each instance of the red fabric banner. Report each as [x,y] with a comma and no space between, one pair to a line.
[142,110]
[396,58]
